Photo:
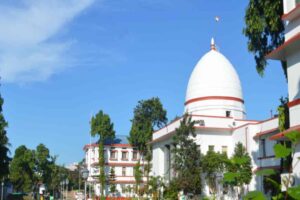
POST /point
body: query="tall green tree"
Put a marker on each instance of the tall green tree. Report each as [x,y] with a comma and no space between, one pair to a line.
[283,114]
[214,165]
[264,30]
[138,174]
[112,179]
[240,168]
[148,115]
[102,127]
[187,158]
[22,169]
[44,163]
[4,144]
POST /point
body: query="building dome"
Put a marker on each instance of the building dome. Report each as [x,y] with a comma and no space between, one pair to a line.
[214,88]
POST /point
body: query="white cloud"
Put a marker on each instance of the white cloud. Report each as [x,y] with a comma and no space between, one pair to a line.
[26,52]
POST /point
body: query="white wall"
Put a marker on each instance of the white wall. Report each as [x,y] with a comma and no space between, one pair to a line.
[288,5]
[294,86]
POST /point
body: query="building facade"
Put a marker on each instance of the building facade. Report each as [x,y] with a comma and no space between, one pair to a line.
[214,99]
[121,156]
[289,51]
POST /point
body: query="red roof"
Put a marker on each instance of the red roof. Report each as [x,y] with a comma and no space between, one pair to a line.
[293,14]
[283,51]
[281,135]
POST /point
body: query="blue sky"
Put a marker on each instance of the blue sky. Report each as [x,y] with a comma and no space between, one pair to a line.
[62,61]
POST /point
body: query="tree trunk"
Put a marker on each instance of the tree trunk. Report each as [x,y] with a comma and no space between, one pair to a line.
[102,166]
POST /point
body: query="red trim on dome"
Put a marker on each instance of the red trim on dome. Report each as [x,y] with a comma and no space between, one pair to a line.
[214,98]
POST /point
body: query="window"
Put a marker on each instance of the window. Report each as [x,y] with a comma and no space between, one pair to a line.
[228,113]
[134,155]
[123,171]
[224,149]
[113,155]
[211,147]
[263,147]
[124,155]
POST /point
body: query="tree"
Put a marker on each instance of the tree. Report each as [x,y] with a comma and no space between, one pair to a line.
[44,163]
[4,150]
[148,115]
[187,159]
[239,168]
[155,183]
[112,179]
[264,30]
[283,114]
[102,126]
[22,169]
[137,172]
[214,165]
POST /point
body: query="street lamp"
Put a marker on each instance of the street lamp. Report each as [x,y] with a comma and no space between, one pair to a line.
[85,175]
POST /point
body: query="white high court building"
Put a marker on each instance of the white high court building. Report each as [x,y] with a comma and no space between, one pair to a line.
[289,51]
[214,98]
[121,156]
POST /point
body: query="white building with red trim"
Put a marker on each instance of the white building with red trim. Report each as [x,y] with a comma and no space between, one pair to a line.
[289,51]
[214,99]
[120,155]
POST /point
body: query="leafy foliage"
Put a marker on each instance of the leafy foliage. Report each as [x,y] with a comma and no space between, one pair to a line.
[214,164]
[29,167]
[283,114]
[155,184]
[255,195]
[102,127]
[4,150]
[281,151]
[294,192]
[187,159]
[265,172]
[171,192]
[112,179]
[22,169]
[264,30]
[148,115]
[239,168]
[137,172]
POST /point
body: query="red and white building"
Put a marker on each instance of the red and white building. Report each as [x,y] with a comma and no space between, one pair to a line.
[120,155]
[214,98]
[290,52]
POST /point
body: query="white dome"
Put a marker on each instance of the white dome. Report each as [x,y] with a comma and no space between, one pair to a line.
[214,87]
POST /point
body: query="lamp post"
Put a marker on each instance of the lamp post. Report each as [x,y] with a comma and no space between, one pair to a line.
[85,175]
